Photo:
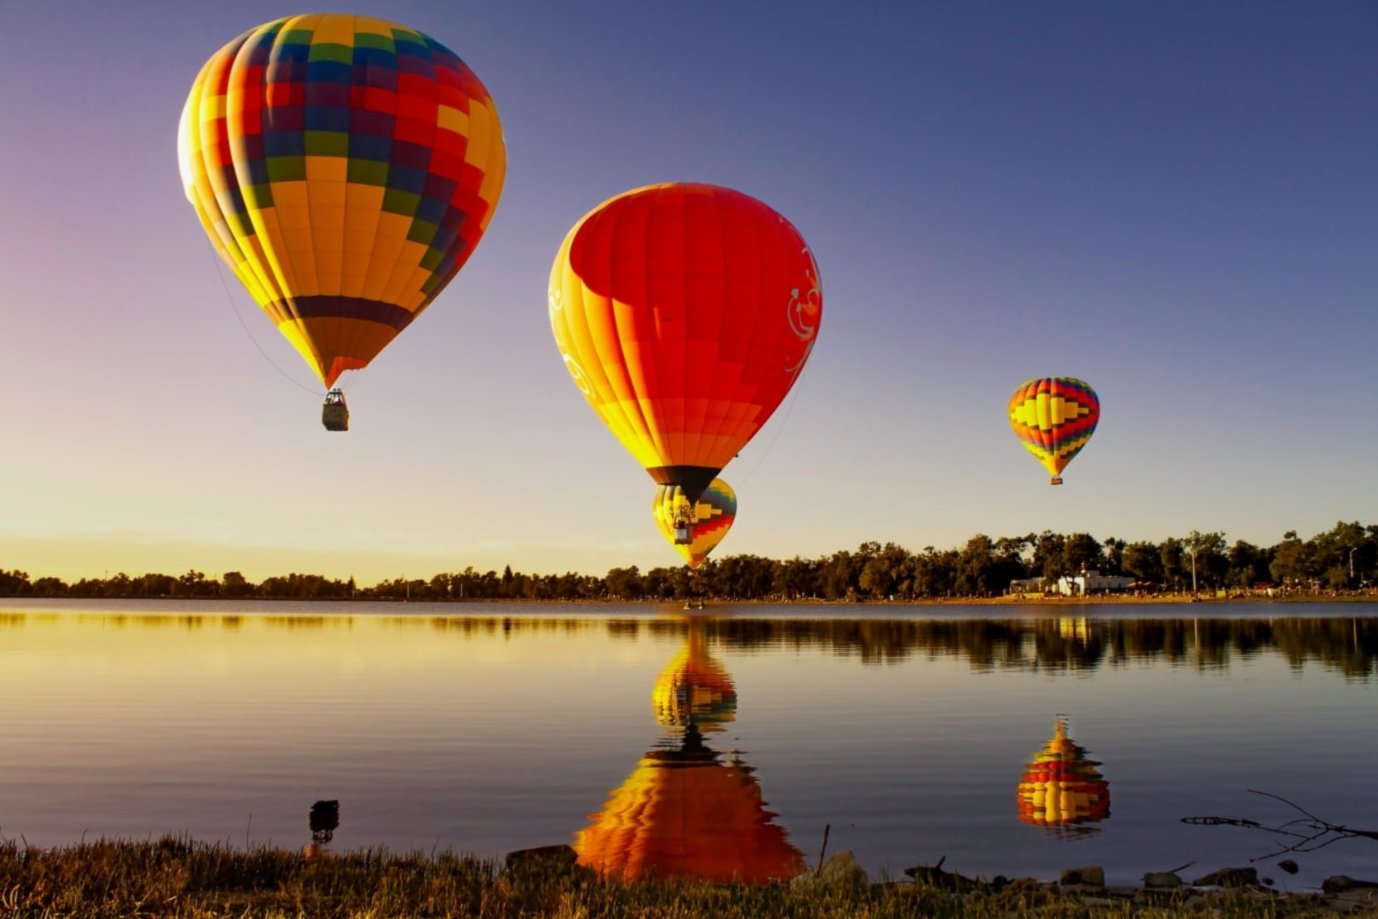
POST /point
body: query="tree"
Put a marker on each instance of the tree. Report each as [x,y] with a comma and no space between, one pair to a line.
[796,578]
[1170,554]
[235,584]
[1143,561]
[1082,552]
[624,583]
[1049,557]
[1292,562]
[975,567]
[877,577]
[1248,565]
[1207,551]
[14,583]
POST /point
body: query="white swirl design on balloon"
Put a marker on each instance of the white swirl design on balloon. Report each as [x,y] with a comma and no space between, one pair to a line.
[581,379]
[799,309]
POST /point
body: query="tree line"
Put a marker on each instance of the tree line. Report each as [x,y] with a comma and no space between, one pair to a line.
[1341,559]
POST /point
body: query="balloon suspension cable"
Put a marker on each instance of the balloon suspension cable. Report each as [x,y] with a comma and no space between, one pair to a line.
[229,299]
[789,407]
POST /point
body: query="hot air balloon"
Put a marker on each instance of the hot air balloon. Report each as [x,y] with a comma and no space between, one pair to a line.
[1061,786]
[345,168]
[684,313]
[694,529]
[1053,418]
[687,814]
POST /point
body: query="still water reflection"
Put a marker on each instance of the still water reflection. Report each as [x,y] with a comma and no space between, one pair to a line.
[725,742]
[1061,788]
[687,811]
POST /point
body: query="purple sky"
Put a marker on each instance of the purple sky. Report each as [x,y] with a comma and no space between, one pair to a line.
[1175,201]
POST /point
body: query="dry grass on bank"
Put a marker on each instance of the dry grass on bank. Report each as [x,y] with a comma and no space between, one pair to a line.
[175,878]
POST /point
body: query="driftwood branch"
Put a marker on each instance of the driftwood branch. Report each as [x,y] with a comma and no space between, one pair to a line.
[1309,831]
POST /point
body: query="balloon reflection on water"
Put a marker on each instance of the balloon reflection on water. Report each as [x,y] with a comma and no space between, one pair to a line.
[688,811]
[1061,787]
[694,689]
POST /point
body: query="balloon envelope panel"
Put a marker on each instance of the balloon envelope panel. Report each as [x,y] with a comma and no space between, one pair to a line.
[345,167]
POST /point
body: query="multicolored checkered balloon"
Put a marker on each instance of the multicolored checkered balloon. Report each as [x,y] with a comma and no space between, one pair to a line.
[1053,418]
[704,522]
[345,168]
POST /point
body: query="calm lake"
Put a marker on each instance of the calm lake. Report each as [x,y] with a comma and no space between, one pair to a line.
[1010,740]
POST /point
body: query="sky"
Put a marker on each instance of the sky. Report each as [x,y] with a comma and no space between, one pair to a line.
[1174,201]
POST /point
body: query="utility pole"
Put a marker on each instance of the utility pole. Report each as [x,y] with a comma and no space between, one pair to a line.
[1192,550]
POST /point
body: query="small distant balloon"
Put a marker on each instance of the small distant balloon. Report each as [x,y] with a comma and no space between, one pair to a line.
[694,529]
[1054,418]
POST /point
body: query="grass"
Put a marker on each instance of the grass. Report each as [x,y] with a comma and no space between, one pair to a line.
[176,878]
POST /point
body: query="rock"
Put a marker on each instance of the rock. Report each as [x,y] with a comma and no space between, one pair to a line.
[1162,880]
[1342,882]
[935,876]
[1090,876]
[560,857]
[839,873]
[1228,877]
[1288,865]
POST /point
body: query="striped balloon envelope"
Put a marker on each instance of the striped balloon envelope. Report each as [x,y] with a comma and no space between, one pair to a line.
[1054,417]
[684,313]
[345,168]
[694,530]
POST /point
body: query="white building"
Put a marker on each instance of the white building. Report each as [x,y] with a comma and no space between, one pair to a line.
[1092,582]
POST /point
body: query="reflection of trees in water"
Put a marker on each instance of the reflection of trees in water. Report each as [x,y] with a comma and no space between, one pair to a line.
[1349,645]
[1344,643]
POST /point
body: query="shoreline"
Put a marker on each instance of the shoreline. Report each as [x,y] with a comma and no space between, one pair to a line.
[179,878]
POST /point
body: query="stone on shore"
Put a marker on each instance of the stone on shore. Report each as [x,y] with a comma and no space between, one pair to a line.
[1229,877]
[1090,876]
[839,873]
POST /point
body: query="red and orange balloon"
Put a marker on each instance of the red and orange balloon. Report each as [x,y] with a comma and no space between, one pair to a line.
[684,313]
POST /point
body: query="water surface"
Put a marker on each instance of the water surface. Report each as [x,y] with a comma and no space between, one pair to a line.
[630,730]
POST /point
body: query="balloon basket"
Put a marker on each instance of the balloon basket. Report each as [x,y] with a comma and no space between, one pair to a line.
[335,414]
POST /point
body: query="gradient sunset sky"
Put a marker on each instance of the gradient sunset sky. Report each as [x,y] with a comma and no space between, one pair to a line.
[1174,201]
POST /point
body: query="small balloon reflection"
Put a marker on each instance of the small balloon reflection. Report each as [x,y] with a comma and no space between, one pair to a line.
[688,811]
[324,820]
[1061,788]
